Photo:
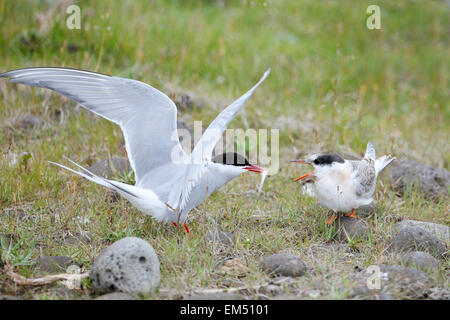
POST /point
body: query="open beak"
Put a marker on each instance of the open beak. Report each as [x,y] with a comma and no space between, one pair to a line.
[301,161]
[305,175]
[254,168]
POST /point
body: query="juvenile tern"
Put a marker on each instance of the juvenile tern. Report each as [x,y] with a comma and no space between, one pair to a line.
[169,183]
[344,185]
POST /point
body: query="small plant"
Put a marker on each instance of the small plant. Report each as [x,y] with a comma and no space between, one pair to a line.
[11,255]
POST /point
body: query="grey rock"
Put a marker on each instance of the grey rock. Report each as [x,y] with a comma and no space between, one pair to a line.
[421,260]
[272,290]
[116,296]
[215,296]
[54,264]
[283,264]
[367,210]
[63,293]
[29,121]
[440,231]
[129,265]
[417,239]
[354,228]
[405,276]
[77,239]
[220,237]
[187,101]
[106,168]
[409,281]
[432,182]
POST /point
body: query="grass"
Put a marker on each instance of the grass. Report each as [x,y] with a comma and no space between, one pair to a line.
[334,86]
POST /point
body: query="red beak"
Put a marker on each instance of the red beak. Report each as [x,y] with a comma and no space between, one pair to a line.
[254,168]
[305,175]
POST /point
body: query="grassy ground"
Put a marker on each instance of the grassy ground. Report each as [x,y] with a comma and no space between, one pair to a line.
[334,86]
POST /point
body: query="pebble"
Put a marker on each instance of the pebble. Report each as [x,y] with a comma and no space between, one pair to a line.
[129,265]
[417,239]
[283,264]
[432,182]
[354,228]
[54,264]
[421,260]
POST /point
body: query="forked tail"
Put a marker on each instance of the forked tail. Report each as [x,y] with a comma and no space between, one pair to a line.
[113,185]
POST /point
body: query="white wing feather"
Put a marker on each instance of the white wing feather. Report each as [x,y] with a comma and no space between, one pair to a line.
[201,155]
[146,116]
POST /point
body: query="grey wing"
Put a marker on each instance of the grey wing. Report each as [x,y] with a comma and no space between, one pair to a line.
[201,155]
[364,178]
[146,116]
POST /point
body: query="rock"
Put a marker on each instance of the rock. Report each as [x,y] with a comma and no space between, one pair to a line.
[129,265]
[410,281]
[29,121]
[54,264]
[106,168]
[62,293]
[272,290]
[417,239]
[187,101]
[116,296]
[223,237]
[432,182]
[367,210]
[77,238]
[421,260]
[354,228]
[215,296]
[440,231]
[283,264]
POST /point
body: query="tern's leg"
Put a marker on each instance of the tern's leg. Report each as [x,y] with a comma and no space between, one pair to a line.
[331,219]
[187,230]
[352,215]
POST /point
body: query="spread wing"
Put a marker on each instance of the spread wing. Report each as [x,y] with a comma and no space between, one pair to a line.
[146,116]
[201,155]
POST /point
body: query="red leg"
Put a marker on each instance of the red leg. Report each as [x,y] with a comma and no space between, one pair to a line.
[352,215]
[331,219]
[187,230]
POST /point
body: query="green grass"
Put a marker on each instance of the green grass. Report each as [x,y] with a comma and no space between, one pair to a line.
[339,83]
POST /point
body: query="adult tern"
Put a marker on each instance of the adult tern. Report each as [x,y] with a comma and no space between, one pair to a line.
[169,183]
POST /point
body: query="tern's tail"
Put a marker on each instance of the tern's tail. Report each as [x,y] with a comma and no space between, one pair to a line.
[370,152]
[143,199]
[121,188]
[383,162]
